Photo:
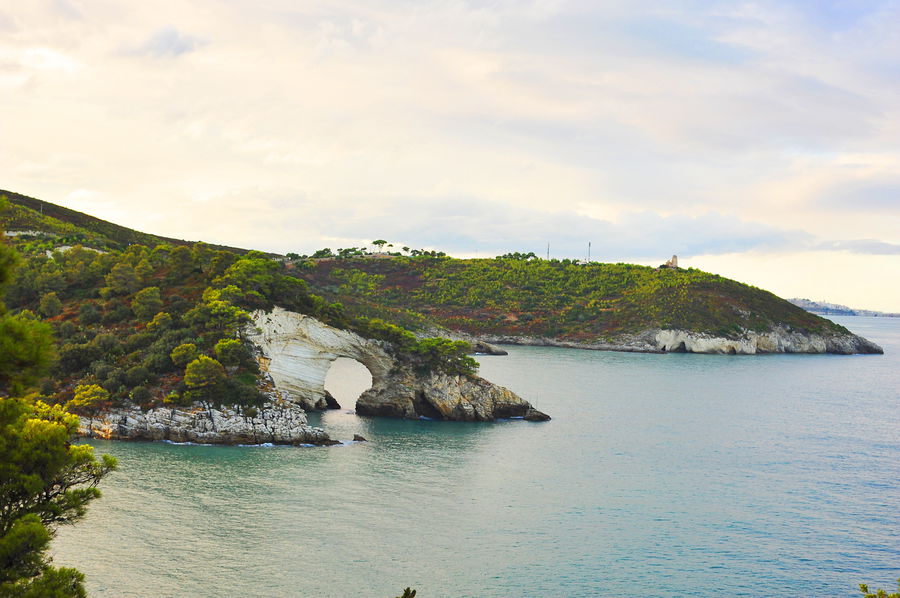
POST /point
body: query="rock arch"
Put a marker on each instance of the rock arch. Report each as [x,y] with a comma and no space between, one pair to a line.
[297,352]
[345,381]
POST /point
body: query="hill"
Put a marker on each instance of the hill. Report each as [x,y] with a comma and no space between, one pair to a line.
[141,321]
[133,310]
[526,296]
[27,214]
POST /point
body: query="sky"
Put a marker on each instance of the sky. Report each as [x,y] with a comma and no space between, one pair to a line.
[758,140]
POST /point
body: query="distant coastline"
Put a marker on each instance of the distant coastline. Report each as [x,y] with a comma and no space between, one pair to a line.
[823,308]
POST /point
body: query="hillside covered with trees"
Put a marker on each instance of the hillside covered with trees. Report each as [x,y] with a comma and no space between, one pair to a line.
[139,320]
[522,295]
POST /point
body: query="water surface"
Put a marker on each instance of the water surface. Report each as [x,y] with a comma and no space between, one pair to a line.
[660,475]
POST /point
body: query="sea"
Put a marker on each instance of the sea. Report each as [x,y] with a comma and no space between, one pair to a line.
[659,475]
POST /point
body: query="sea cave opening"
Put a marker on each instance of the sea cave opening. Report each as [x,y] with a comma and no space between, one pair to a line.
[346,380]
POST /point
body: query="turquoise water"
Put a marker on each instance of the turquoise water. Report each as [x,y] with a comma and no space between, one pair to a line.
[660,475]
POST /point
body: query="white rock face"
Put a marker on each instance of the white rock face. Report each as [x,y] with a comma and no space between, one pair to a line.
[779,340]
[276,423]
[297,352]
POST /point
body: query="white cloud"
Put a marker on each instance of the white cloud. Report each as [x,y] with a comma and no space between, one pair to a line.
[703,128]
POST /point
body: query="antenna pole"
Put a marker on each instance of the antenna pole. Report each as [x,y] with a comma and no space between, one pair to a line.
[589,251]
[548,252]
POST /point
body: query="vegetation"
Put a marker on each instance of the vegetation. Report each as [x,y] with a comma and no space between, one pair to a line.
[879,593]
[520,294]
[133,313]
[45,480]
[154,323]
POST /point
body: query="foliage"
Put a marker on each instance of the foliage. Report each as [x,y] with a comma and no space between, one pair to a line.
[122,279]
[183,354]
[408,593]
[203,377]
[45,480]
[230,351]
[520,294]
[450,357]
[88,398]
[26,352]
[863,588]
[161,321]
[50,305]
[147,303]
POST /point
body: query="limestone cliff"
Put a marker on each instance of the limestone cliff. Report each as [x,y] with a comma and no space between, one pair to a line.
[777,340]
[297,351]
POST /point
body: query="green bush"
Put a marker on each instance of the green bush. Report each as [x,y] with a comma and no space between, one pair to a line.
[184,354]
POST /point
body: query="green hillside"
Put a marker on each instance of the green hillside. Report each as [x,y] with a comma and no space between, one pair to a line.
[137,318]
[523,295]
[72,227]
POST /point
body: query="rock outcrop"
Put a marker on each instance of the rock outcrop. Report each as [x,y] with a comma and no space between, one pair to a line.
[297,351]
[276,423]
[409,394]
[778,340]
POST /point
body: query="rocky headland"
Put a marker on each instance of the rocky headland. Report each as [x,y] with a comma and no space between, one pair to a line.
[297,351]
[777,340]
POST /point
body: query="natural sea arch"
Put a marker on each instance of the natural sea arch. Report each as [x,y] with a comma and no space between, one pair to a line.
[347,378]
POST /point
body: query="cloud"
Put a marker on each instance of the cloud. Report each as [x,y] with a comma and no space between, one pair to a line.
[169,42]
[861,246]
[647,128]
[880,194]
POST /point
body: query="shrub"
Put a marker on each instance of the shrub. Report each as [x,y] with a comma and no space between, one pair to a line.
[88,399]
[88,314]
[231,351]
[161,321]
[50,305]
[184,354]
[147,303]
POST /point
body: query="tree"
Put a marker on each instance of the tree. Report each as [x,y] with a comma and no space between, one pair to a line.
[161,321]
[230,351]
[88,314]
[184,354]
[203,378]
[26,351]
[408,593]
[147,303]
[122,279]
[50,305]
[182,262]
[88,398]
[379,243]
[879,593]
[46,481]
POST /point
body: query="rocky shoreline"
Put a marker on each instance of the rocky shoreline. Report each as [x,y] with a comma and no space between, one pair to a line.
[778,340]
[274,423]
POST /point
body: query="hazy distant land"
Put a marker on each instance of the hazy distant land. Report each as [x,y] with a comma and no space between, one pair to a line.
[824,308]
